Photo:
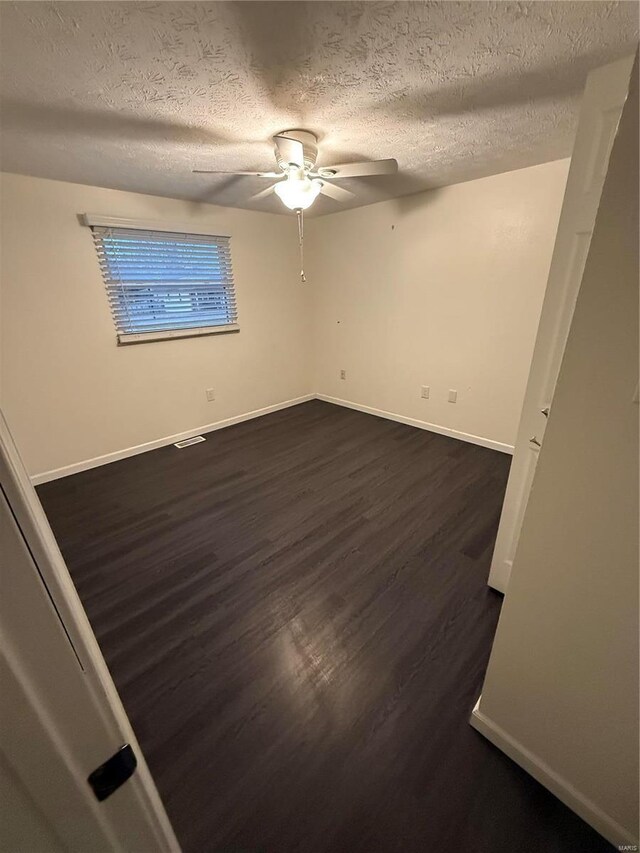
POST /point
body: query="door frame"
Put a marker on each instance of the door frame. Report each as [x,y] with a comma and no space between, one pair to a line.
[32,522]
[602,102]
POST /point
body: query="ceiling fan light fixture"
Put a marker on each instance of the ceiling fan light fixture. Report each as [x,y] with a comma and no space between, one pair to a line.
[296,192]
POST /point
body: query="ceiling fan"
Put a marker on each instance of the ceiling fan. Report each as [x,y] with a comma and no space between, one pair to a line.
[299,182]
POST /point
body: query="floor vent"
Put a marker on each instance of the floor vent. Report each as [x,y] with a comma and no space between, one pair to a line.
[189,441]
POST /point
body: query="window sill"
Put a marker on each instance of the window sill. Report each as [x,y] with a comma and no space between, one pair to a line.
[127,338]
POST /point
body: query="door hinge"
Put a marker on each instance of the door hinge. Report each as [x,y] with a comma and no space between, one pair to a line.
[114,772]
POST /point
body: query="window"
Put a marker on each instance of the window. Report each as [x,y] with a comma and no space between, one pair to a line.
[165,284]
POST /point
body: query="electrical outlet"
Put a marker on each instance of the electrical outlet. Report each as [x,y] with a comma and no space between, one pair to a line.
[343,374]
[425,390]
[453,396]
[211,395]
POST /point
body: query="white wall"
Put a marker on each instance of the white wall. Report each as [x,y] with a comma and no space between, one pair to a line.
[443,289]
[69,393]
[561,690]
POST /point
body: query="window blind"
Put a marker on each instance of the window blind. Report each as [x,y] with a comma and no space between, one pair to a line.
[166,284]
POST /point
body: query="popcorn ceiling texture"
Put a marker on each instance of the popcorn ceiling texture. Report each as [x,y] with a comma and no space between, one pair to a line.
[133,95]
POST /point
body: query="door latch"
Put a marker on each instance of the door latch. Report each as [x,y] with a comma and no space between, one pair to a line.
[114,772]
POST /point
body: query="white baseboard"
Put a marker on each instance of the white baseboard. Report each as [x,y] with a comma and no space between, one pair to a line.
[414,422]
[86,464]
[560,787]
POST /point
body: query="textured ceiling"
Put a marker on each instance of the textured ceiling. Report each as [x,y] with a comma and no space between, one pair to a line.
[134,95]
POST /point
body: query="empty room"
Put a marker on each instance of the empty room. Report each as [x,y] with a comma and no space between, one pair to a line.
[319,440]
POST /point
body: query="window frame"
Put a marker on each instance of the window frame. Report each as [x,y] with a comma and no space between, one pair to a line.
[128,338]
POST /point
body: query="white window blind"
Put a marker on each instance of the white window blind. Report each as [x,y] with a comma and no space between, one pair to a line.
[164,284]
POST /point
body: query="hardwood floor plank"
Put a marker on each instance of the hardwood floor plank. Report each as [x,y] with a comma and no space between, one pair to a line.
[295,613]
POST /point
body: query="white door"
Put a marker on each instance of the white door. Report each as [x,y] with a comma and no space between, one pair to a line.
[604,97]
[60,715]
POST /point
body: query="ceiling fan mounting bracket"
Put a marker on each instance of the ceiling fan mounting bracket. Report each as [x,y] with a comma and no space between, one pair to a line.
[309,142]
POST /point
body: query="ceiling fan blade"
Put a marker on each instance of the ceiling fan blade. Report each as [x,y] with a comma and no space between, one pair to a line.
[335,192]
[263,193]
[290,150]
[362,170]
[222,172]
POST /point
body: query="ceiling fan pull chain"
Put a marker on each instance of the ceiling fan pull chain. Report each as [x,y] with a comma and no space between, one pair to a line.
[300,213]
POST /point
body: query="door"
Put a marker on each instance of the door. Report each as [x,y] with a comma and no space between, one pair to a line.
[60,715]
[604,97]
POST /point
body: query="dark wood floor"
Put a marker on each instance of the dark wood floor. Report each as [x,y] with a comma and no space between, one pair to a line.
[297,619]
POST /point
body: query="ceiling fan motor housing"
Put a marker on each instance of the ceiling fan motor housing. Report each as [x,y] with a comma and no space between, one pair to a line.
[309,143]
